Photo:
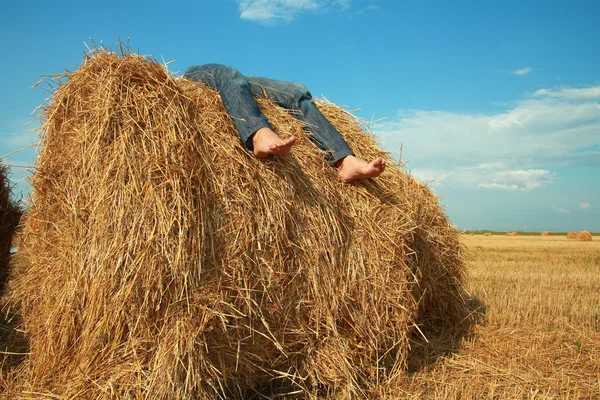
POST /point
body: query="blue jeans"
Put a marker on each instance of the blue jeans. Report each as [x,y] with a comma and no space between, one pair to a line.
[237,93]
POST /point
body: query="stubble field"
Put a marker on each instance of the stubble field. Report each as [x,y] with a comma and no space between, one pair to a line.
[536,334]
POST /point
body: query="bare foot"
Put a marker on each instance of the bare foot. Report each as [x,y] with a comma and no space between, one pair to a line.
[351,168]
[267,142]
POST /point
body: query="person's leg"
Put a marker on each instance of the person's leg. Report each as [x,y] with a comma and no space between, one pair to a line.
[252,125]
[296,96]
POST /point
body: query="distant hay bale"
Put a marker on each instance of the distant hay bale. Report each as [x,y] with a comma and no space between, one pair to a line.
[584,236]
[511,233]
[10,213]
[544,233]
[487,234]
[572,235]
[471,234]
[166,262]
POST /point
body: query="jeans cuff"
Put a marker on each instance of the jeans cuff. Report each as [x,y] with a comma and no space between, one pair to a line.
[334,157]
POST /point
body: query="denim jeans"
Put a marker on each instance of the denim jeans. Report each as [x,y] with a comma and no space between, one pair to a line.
[237,93]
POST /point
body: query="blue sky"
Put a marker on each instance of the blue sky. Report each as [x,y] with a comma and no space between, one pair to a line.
[497,103]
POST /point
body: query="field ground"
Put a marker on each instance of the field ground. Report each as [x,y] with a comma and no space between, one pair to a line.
[539,332]
[528,233]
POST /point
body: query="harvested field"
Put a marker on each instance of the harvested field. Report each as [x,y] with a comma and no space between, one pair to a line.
[539,337]
[162,260]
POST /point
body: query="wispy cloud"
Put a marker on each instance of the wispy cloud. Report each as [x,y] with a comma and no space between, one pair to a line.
[369,8]
[584,205]
[498,186]
[567,93]
[561,210]
[20,137]
[523,180]
[513,150]
[15,141]
[271,11]
[522,71]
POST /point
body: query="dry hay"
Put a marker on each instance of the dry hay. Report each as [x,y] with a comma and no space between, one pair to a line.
[10,213]
[471,234]
[487,234]
[572,235]
[511,233]
[166,262]
[584,236]
[544,233]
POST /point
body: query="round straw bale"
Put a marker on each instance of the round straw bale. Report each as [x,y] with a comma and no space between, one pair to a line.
[487,234]
[165,261]
[584,236]
[544,233]
[10,213]
[572,235]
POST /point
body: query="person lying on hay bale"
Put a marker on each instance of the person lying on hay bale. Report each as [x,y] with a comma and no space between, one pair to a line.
[237,93]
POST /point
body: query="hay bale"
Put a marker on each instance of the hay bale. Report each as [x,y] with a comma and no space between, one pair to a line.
[165,261]
[511,233]
[471,234]
[487,234]
[544,233]
[572,235]
[584,236]
[10,214]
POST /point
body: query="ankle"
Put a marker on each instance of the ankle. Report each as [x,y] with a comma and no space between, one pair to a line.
[258,135]
[340,163]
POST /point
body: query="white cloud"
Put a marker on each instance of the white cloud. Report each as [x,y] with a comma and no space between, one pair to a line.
[584,205]
[369,8]
[522,71]
[590,93]
[561,210]
[524,180]
[17,141]
[512,150]
[269,11]
[497,186]
[14,142]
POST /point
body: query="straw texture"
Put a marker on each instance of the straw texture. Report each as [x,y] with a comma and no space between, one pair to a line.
[10,213]
[584,236]
[164,261]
